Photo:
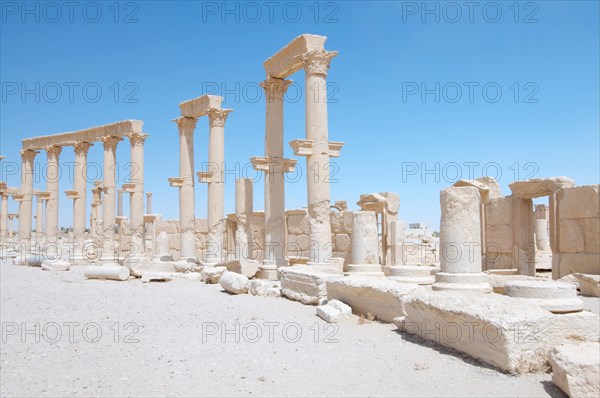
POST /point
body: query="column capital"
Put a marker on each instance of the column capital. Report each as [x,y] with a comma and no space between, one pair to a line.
[317,62]
[275,88]
[148,194]
[53,151]
[137,138]
[28,155]
[82,147]
[110,142]
[217,117]
[185,124]
[271,165]
[304,147]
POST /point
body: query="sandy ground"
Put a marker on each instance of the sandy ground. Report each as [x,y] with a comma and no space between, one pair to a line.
[104,338]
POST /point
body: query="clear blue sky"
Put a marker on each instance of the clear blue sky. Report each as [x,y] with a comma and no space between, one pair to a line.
[543,56]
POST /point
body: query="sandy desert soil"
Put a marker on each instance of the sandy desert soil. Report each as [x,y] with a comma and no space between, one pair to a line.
[103,338]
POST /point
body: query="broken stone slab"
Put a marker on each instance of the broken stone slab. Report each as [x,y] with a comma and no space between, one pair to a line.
[234,283]
[190,276]
[379,297]
[113,272]
[212,274]
[341,307]
[589,285]
[553,296]
[246,268]
[152,266]
[498,281]
[513,334]
[260,287]
[306,283]
[419,274]
[576,368]
[187,266]
[156,277]
[56,265]
[329,313]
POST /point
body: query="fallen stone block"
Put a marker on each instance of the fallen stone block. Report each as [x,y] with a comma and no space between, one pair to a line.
[499,281]
[513,334]
[379,297]
[306,284]
[234,283]
[576,368]
[112,272]
[56,265]
[212,274]
[31,260]
[553,296]
[264,288]
[341,307]
[588,284]
[156,277]
[246,268]
[329,313]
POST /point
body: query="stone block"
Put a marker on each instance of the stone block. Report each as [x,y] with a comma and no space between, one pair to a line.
[579,202]
[248,268]
[379,297]
[584,263]
[297,223]
[512,334]
[571,238]
[56,265]
[329,313]
[212,274]
[113,272]
[259,287]
[576,368]
[156,277]
[305,283]
[494,260]
[343,243]
[588,284]
[499,238]
[499,211]
[341,307]
[234,283]
[591,235]
[298,241]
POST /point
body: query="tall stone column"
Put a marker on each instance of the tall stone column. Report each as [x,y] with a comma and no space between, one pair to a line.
[365,245]
[215,176]
[52,178]
[460,242]
[244,206]
[317,149]
[185,183]
[80,198]
[10,226]
[25,210]
[39,218]
[274,167]
[148,202]
[4,217]
[110,198]
[136,204]
[119,203]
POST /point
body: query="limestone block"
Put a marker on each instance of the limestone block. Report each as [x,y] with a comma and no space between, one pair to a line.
[248,268]
[576,368]
[571,236]
[297,222]
[498,211]
[591,235]
[499,238]
[32,260]
[579,202]
[113,272]
[260,287]
[329,313]
[512,334]
[305,283]
[298,241]
[588,284]
[498,281]
[156,277]
[557,297]
[234,283]
[342,243]
[379,297]
[493,186]
[538,187]
[348,221]
[584,263]
[341,307]
[201,225]
[494,260]
[212,274]
[56,265]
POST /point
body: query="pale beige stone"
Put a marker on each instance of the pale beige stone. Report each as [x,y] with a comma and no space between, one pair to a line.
[212,274]
[579,202]
[571,234]
[106,271]
[234,283]
[553,296]
[264,288]
[156,277]
[306,283]
[538,187]
[56,265]
[588,284]
[576,368]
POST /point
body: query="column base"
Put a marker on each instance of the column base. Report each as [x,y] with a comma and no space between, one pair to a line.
[421,275]
[365,270]
[462,282]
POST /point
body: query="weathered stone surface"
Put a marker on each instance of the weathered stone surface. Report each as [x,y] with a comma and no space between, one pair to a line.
[379,297]
[579,202]
[553,296]
[156,277]
[341,307]
[234,283]
[571,236]
[306,284]
[248,268]
[297,222]
[498,281]
[588,284]
[584,263]
[112,272]
[538,187]
[329,313]
[56,265]
[212,274]
[419,274]
[576,368]
[498,211]
[513,334]
[259,287]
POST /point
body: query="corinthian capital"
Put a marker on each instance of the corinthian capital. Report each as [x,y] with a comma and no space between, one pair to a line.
[317,62]
[137,138]
[82,148]
[53,151]
[28,155]
[186,125]
[217,117]
[110,142]
[275,88]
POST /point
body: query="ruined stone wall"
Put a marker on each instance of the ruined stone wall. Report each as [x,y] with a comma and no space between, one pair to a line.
[499,234]
[578,238]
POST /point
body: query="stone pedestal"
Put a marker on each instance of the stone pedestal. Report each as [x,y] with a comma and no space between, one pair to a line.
[365,245]
[460,242]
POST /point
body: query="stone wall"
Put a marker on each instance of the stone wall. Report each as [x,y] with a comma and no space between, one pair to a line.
[578,238]
[498,234]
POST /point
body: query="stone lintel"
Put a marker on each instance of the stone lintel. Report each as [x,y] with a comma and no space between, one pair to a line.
[72,194]
[264,163]
[176,182]
[92,134]
[538,187]
[484,190]
[288,60]
[200,106]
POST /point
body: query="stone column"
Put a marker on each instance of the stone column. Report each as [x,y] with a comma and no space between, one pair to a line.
[136,206]
[25,210]
[523,236]
[148,202]
[119,203]
[80,199]
[317,149]
[39,219]
[215,176]
[52,178]
[244,208]
[274,165]
[185,182]
[541,234]
[4,217]
[365,245]
[109,188]
[96,203]
[460,242]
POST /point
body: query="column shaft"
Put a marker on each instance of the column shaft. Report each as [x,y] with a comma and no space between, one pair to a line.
[79,203]
[25,210]
[4,218]
[136,205]
[110,198]
[187,201]
[38,219]
[52,178]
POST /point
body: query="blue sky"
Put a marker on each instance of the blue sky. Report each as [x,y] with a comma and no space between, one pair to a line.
[415,88]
